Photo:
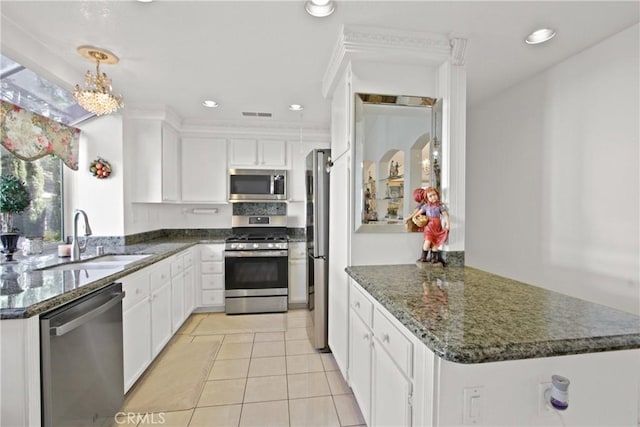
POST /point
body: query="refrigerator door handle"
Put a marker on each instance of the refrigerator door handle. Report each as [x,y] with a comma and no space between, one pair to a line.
[321,205]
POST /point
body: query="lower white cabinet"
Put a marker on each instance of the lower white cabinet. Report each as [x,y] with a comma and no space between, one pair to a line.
[161,330]
[210,293]
[360,363]
[136,326]
[146,318]
[381,363]
[391,391]
[297,273]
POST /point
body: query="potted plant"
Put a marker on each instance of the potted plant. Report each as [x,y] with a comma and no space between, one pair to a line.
[14,199]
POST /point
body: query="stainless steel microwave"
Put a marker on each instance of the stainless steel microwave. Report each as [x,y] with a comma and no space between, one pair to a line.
[257,184]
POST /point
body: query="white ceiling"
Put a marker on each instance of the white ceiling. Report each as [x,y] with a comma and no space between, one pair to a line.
[262,56]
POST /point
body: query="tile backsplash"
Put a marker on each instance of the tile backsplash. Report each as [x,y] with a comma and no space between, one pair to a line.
[260,208]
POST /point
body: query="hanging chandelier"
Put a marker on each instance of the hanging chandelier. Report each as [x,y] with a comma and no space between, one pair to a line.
[96,96]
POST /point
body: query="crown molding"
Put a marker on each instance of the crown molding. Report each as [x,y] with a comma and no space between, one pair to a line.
[384,45]
[153,112]
[288,130]
[458,50]
[195,127]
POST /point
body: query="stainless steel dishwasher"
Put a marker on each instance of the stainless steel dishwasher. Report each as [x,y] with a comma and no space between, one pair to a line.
[81,360]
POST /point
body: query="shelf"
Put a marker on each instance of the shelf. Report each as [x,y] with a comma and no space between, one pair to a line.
[393,178]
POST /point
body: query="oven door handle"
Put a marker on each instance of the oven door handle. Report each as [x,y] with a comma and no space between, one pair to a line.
[255,254]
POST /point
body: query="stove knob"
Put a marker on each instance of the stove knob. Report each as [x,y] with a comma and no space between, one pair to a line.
[233,246]
[256,246]
[270,245]
[240,245]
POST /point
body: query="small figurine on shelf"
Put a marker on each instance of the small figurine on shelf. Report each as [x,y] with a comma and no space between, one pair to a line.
[391,169]
[436,230]
[396,170]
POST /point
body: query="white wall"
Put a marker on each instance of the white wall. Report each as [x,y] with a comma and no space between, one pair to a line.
[553,188]
[101,199]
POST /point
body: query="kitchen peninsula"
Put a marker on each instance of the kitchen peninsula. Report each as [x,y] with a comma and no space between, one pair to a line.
[471,339]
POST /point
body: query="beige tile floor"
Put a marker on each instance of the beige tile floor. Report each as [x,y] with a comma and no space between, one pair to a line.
[266,373]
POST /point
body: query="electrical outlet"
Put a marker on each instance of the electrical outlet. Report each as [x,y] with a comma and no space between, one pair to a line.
[544,389]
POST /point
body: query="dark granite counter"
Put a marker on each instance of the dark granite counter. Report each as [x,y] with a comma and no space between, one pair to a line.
[466,315]
[29,289]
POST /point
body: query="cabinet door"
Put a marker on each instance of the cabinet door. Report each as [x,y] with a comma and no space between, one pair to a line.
[160,317]
[170,163]
[297,281]
[189,292]
[243,152]
[177,302]
[204,170]
[391,391]
[144,138]
[272,153]
[360,364]
[136,336]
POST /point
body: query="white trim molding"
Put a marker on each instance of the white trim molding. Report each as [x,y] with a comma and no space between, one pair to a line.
[373,43]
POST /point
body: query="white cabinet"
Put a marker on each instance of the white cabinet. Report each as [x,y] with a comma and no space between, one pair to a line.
[189,284]
[381,360]
[360,363]
[204,170]
[157,301]
[254,153]
[177,293]
[211,290]
[136,331]
[392,362]
[297,273]
[160,306]
[153,142]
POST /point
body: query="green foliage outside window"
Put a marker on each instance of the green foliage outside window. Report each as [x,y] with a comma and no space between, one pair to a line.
[43,179]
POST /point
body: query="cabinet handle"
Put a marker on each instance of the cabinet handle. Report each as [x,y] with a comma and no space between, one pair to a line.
[357,304]
[366,336]
[138,291]
[385,338]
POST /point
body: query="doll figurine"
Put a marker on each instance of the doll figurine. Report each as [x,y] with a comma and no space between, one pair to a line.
[435,234]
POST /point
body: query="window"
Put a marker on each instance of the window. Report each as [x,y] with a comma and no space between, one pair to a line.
[43,178]
[23,87]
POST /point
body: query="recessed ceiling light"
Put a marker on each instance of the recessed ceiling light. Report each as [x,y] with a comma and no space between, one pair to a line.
[320,8]
[540,36]
[145,1]
[210,104]
[296,107]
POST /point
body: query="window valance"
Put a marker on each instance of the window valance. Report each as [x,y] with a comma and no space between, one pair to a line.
[30,136]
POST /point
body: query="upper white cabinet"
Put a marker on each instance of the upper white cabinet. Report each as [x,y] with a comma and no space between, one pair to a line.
[153,142]
[204,170]
[254,153]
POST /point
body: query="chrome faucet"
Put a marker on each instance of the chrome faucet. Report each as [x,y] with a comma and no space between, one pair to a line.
[76,248]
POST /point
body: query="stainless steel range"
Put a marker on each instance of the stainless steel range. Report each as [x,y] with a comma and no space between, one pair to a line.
[256,265]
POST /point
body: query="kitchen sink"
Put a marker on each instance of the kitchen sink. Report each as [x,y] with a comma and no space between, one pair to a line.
[120,259]
[103,262]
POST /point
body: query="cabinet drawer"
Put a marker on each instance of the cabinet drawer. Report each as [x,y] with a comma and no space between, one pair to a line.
[394,342]
[188,260]
[160,274]
[211,267]
[212,297]
[177,266]
[361,305]
[211,252]
[136,288]
[212,281]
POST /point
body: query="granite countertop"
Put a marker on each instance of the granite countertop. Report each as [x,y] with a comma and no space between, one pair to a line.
[29,289]
[467,315]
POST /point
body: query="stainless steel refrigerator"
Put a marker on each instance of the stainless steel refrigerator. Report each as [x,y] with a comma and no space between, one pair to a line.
[317,185]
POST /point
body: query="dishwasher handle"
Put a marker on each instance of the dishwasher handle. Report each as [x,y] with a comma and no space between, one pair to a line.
[72,324]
